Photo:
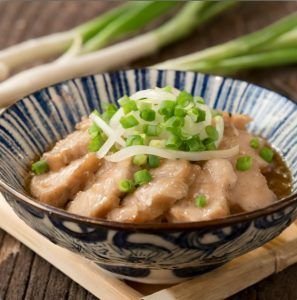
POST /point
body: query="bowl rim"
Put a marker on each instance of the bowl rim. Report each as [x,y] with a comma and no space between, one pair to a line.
[152,226]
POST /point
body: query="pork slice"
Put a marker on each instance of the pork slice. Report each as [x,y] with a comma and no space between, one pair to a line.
[56,188]
[104,194]
[238,120]
[214,181]
[151,201]
[233,136]
[251,191]
[230,138]
[74,146]
[84,124]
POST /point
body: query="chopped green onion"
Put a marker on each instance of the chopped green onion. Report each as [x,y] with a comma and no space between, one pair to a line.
[167,88]
[194,114]
[143,104]
[184,98]
[211,146]
[151,130]
[111,108]
[167,108]
[128,121]
[201,201]
[96,143]
[199,99]
[96,113]
[153,161]
[140,159]
[142,177]
[148,115]
[40,167]
[173,142]
[244,163]
[179,112]
[212,132]
[267,154]
[255,143]
[124,100]
[175,131]
[174,122]
[94,130]
[195,144]
[126,186]
[130,106]
[157,143]
[202,115]
[134,140]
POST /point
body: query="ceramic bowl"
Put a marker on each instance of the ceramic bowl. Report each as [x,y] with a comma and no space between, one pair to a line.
[151,253]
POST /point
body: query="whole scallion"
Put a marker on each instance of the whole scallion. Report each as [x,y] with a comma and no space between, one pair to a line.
[191,15]
[241,46]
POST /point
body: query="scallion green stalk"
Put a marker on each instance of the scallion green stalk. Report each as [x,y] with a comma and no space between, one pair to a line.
[236,47]
[54,44]
[287,40]
[255,60]
[138,16]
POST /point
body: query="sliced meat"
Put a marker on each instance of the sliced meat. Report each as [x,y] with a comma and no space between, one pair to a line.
[84,124]
[251,191]
[214,181]
[103,194]
[74,146]
[238,120]
[150,201]
[230,138]
[234,136]
[56,188]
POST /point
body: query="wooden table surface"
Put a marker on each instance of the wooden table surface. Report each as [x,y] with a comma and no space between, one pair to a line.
[23,274]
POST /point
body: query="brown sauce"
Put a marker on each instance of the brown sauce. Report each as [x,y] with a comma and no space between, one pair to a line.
[279,177]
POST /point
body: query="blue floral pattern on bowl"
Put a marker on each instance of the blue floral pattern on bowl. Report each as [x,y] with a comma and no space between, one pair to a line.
[155,253]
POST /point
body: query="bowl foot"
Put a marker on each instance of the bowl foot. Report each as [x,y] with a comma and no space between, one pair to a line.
[156,276]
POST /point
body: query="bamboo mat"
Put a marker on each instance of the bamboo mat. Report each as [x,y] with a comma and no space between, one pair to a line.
[218,284]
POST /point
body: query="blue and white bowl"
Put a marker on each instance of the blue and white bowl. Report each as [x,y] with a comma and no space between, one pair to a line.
[151,253]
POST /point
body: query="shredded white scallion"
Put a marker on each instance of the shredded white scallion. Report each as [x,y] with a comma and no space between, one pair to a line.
[171,154]
[156,96]
[219,121]
[107,129]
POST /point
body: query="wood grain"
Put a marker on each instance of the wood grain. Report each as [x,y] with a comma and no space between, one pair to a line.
[24,275]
